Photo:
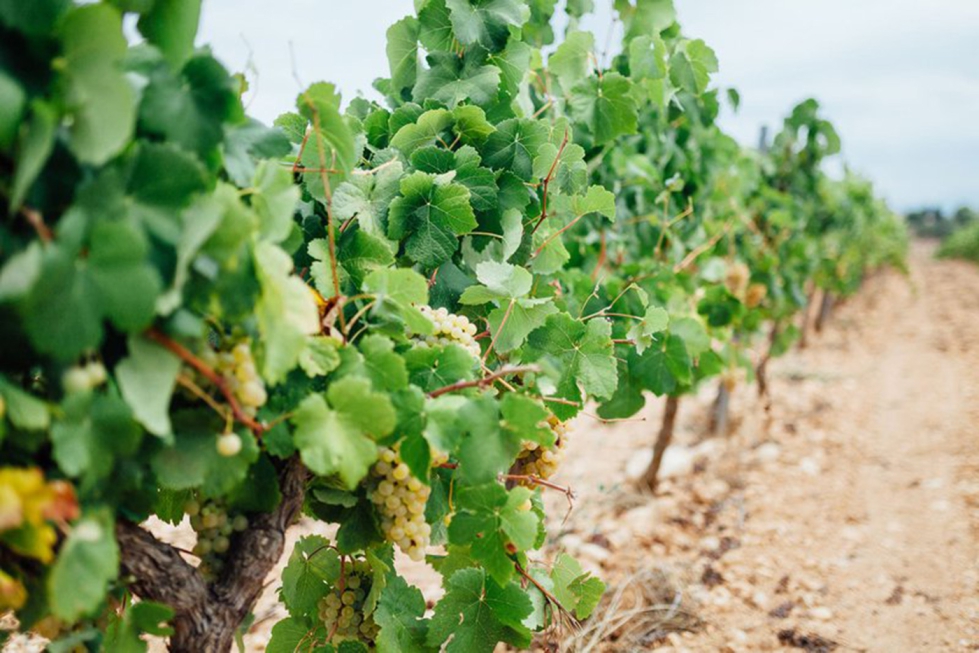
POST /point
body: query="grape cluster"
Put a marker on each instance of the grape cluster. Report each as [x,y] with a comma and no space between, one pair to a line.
[237,367]
[214,526]
[83,378]
[400,499]
[755,295]
[342,610]
[450,329]
[737,278]
[542,462]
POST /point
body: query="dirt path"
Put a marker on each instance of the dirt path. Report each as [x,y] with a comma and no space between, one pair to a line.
[854,518]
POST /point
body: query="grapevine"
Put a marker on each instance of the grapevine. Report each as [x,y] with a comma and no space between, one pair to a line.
[380,316]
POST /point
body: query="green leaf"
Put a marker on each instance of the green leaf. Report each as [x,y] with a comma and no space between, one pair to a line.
[367,197]
[430,216]
[691,66]
[334,441]
[399,613]
[577,591]
[453,80]
[606,106]
[37,18]
[402,51]
[477,614]
[286,312]
[273,198]
[525,315]
[647,57]
[662,367]
[193,460]
[514,146]
[645,16]
[422,132]
[192,108]
[490,521]
[94,430]
[500,282]
[146,380]
[654,320]
[119,251]
[103,101]
[87,563]
[24,410]
[431,368]
[572,61]
[397,292]
[582,352]
[312,570]
[36,142]
[124,632]
[320,105]
[13,105]
[320,356]
[171,25]
[485,21]
[288,636]
[471,125]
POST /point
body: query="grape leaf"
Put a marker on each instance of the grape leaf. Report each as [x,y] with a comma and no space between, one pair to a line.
[490,520]
[102,98]
[171,25]
[606,106]
[571,62]
[430,215]
[514,145]
[577,591]
[87,562]
[399,613]
[312,570]
[583,353]
[485,21]
[477,614]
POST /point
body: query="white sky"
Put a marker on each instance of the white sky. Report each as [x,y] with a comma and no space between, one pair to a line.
[899,78]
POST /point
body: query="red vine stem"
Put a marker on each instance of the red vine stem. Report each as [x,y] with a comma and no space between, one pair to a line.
[547,181]
[486,380]
[36,220]
[204,369]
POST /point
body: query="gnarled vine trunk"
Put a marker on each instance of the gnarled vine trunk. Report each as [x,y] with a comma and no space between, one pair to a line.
[662,442]
[720,411]
[208,614]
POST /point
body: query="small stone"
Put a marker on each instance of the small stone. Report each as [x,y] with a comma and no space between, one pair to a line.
[768,452]
[810,466]
[821,613]
[594,552]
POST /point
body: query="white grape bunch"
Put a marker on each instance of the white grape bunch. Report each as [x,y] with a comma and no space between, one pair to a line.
[237,367]
[342,610]
[450,329]
[539,461]
[400,500]
[214,526]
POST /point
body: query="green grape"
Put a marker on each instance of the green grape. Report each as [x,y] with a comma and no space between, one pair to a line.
[400,499]
[342,609]
[237,367]
[450,329]
[542,462]
[229,444]
[214,527]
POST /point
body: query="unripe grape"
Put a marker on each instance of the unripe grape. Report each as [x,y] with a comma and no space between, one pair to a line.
[229,444]
[96,373]
[3,407]
[76,380]
[538,461]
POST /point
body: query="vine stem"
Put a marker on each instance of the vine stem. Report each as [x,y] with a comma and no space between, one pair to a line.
[486,380]
[543,590]
[36,220]
[547,181]
[506,316]
[556,234]
[696,252]
[203,368]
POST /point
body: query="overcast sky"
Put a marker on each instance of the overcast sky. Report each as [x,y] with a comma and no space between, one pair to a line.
[899,78]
